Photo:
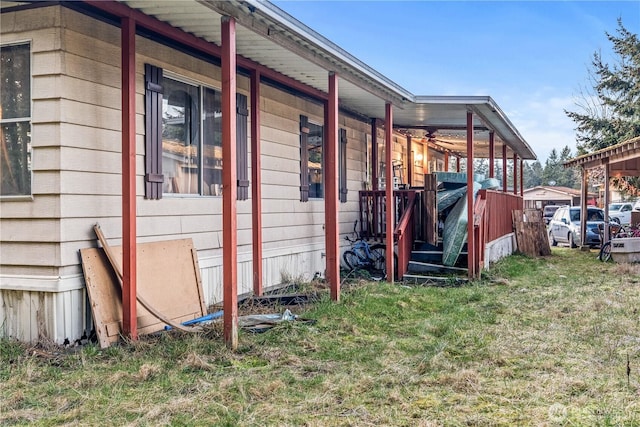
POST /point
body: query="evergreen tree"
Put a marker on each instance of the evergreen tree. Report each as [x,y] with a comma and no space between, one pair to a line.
[610,111]
[567,177]
[551,172]
[532,174]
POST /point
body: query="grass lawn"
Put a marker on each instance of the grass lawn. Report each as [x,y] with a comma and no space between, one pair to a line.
[536,342]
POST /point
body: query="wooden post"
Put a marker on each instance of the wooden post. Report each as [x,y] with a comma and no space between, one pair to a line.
[256,187]
[390,201]
[471,246]
[607,177]
[331,193]
[583,209]
[515,173]
[374,155]
[446,162]
[129,231]
[410,161]
[492,155]
[522,177]
[430,207]
[229,184]
[504,168]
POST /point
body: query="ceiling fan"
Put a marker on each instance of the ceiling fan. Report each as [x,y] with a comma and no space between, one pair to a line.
[430,136]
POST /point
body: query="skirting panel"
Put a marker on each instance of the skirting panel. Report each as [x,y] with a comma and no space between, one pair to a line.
[30,316]
[499,248]
[297,264]
[31,309]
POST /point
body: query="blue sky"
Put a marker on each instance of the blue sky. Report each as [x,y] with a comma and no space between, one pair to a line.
[531,57]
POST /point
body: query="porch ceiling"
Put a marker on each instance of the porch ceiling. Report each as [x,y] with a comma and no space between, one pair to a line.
[271,37]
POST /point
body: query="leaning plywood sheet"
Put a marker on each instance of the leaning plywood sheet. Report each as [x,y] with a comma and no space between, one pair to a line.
[168,279]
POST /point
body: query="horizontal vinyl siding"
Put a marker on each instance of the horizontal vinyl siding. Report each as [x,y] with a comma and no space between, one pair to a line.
[30,228]
[77,124]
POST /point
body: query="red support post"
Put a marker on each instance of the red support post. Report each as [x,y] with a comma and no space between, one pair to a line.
[607,179]
[471,246]
[331,193]
[492,155]
[256,180]
[374,154]
[409,162]
[446,162]
[521,177]
[515,173]
[504,168]
[390,205]
[229,184]
[129,232]
[458,165]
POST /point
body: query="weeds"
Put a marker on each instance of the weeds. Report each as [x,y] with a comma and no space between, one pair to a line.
[535,342]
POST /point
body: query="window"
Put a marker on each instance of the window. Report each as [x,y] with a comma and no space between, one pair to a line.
[311,160]
[191,139]
[15,119]
[316,181]
[184,138]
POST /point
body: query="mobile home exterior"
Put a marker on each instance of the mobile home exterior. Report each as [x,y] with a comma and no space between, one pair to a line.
[63,121]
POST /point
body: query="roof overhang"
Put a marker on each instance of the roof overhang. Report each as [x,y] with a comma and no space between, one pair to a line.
[623,159]
[268,36]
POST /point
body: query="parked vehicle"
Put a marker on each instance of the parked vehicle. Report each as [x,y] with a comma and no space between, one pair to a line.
[621,212]
[564,226]
[548,211]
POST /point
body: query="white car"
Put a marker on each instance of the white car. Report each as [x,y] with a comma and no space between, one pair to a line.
[621,212]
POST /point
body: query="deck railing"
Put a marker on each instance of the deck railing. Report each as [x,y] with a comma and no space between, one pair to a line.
[404,233]
[498,221]
[373,211]
[492,220]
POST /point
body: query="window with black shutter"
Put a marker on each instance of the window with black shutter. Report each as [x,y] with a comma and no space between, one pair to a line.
[183,142]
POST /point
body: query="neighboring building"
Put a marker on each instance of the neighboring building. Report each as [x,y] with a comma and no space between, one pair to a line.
[543,195]
[72,115]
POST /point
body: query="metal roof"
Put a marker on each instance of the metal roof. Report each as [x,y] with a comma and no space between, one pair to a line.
[269,36]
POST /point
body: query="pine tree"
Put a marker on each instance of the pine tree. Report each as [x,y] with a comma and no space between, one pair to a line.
[551,172]
[532,174]
[567,177]
[611,110]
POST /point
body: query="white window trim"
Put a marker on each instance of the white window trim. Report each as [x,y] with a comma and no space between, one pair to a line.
[23,197]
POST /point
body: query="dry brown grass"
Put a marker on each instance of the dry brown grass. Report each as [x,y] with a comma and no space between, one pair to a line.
[539,342]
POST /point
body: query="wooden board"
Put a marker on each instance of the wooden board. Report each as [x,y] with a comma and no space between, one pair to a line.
[430,207]
[531,232]
[168,278]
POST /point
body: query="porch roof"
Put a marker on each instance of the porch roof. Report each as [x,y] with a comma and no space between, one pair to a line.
[623,158]
[269,36]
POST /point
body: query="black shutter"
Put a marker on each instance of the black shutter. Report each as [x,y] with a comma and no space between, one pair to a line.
[342,164]
[153,177]
[304,159]
[242,152]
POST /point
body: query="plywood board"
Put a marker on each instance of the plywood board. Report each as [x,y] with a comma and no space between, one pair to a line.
[168,279]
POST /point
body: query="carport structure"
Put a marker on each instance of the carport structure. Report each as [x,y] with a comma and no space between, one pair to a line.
[619,160]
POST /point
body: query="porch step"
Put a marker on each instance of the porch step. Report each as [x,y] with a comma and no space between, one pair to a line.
[418,268]
[435,257]
[419,279]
